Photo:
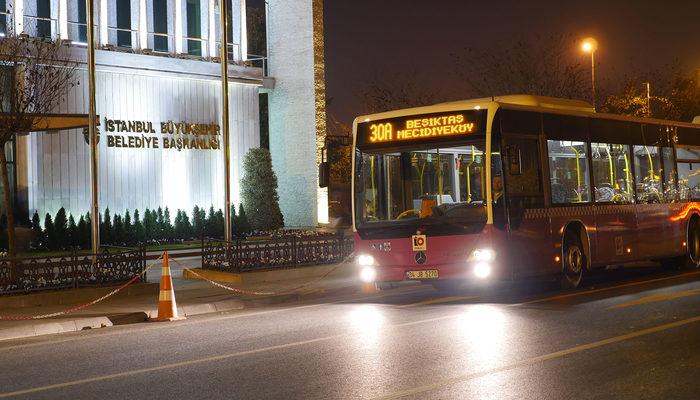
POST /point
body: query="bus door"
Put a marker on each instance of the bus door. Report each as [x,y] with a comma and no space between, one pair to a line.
[528,230]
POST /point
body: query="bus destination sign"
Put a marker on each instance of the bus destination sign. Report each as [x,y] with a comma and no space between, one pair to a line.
[418,128]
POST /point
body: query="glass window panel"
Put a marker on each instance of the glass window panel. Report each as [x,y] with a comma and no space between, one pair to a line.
[683,153]
[669,170]
[441,182]
[568,169]
[3,16]
[82,21]
[160,25]
[194,27]
[647,169]
[124,23]
[612,175]
[689,180]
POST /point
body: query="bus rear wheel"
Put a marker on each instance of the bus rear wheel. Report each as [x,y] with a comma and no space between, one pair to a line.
[573,261]
[693,249]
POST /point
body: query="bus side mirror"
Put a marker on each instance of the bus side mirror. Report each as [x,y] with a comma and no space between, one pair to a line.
[515,166]
[323,174]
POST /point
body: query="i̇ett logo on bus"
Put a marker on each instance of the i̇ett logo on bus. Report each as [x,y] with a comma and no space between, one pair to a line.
[419,243]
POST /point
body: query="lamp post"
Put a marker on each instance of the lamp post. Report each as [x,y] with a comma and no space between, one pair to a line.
[92,129]
[590,45]
[648,86]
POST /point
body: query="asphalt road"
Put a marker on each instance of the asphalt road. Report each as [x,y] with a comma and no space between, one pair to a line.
[629,334]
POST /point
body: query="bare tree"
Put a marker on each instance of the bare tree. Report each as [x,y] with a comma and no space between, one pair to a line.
[389,91]
[674,95]
[35,75]
[534,65]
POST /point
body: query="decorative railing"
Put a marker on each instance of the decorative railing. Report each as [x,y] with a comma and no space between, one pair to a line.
[29,274]
[247,255]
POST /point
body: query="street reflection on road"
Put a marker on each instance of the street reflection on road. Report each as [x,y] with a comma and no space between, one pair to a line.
[366,322]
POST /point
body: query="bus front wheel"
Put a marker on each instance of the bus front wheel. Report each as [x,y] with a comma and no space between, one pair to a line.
[573,261]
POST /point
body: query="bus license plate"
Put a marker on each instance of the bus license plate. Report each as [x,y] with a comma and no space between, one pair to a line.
[423,274]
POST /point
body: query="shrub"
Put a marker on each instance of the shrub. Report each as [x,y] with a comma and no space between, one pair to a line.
[49,232]
[72,236]
[259,191]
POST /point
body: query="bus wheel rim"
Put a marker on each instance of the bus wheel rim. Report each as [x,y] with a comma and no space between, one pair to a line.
[574,261]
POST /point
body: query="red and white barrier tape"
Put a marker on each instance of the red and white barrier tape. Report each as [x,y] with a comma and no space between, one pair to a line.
[255,293]
[82,306]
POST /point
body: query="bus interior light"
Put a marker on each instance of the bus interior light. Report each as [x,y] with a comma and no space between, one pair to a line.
[368,274]
[482,270]
[483,255]
[365,260]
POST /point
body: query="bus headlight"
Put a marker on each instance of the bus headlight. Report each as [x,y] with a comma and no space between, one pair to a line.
[368,274]
[482,270]
[365,260]
[486,255]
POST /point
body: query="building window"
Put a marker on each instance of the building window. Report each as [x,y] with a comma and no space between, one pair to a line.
[124,23]
[160,25]
[3,17]
[82,22]
[194,28]
[612,177]
[568,170]
[43,19]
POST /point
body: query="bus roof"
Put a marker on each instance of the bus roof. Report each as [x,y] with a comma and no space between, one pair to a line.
[522,102]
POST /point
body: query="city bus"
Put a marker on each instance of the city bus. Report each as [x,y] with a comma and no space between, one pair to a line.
[521,186]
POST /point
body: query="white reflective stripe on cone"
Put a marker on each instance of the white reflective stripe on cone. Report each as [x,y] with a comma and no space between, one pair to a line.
[165,295]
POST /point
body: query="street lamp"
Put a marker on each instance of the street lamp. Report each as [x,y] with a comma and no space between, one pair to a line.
[590,45]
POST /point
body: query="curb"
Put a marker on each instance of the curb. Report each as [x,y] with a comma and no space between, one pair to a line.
[69,296]
[78,324]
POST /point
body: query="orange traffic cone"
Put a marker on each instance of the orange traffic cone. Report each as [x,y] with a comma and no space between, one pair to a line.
[167,308]
[370,288]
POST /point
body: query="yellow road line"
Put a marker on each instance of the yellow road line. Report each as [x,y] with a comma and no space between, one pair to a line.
[656,297]
[590,291]
[438,300]
[539,359]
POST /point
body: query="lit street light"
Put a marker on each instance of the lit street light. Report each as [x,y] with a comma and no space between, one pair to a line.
[590,45]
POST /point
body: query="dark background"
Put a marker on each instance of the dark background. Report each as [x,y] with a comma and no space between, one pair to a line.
[369,40]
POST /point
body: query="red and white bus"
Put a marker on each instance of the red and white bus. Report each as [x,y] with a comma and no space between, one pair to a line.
[520,186]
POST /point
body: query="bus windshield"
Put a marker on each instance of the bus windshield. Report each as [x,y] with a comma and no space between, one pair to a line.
[422,184]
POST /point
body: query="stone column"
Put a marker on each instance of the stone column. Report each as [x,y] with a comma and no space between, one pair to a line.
[296,119]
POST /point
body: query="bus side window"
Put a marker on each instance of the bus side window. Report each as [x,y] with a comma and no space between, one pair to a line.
[568,171]
[612,175]
[647,170]
[688,161]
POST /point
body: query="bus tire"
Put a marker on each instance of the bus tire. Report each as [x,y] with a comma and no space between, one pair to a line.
[692,255]
[573,261]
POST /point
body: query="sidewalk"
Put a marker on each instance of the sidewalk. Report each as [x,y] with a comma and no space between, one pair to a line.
[192,296]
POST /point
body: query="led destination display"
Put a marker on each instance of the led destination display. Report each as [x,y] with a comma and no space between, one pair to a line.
[419,128]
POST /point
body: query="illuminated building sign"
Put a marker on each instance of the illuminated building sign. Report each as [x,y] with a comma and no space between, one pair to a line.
[173,135]
[419,128]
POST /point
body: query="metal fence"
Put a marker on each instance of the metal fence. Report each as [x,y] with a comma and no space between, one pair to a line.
[29,274]
[245,255]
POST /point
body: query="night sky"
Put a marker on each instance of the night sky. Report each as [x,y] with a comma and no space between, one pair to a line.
[414,39]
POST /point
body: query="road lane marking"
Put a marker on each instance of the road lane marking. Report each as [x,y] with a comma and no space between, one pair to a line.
[439,300]
[590,291]
[538,359]
[656,297]
[201,360]
[211,318]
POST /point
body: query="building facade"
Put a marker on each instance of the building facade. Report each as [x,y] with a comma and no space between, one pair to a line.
[159,105]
